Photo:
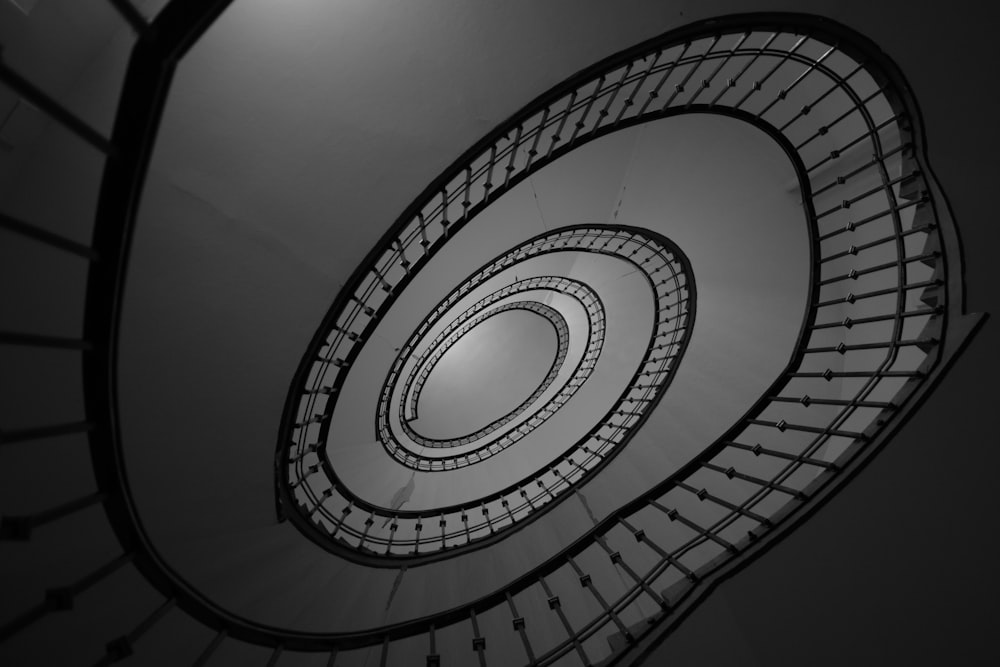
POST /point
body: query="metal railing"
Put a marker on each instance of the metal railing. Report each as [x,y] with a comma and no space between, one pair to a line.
[891,247]
[428,361]
[414,384]
[329,504]
[158,47]
[872,334]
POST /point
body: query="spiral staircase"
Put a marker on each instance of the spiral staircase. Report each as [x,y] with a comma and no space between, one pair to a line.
[283,499]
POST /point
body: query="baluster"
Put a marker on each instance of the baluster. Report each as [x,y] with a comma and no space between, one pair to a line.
[829,374]
[465,523]
[488,185]
[319,503]
[640,536]
[731,473]
[617,559]
[37,433]
[524,494]
[384,655]
[416,540]
[822,130]
[61,599]
[674,515]
[783,426]
[587,582]
[305,451]
[383,283]
[423,233]
[30,92]
[20,527]
[722,63]
[509,169]
[365,308]
[444,212]
[843,348]
[122,647]
[603,113]
[679,88]
[478,641]
[518,622]
[466,203]
[848,322]
[583,471]
[486,515]
[533,151]
[758,450]
[275,654]
[655,92]
[368,525]
[556,606]
[506,505]
[392,534]
[759,83]
[37,340]
[51,239]
[630,100]
[835,154]
[854,274]
[545,487]
[131,15]
[807,108]
[403,261]
[703,494]
[607,239]
[853,225]
[562,124]
[343,516]
[210,650]
[733,80]
[433,658]
[580,124]
[311,470]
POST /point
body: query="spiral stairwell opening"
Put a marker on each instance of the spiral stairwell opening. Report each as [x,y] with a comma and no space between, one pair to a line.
[880,318]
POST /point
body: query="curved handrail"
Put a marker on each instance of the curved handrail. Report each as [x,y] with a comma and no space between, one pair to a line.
[908,185]
[329,508]
[414,385]
[945,331]
[630,73]
[430,359]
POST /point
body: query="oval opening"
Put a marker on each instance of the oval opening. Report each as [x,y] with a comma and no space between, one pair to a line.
[486,374]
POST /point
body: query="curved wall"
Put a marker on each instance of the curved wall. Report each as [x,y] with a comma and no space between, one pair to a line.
[888,577]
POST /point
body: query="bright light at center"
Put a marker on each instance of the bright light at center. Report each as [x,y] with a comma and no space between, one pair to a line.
[488,373]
